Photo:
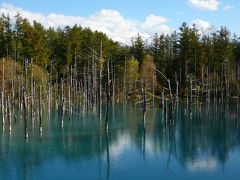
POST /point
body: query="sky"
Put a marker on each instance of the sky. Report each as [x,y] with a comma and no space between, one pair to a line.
[122,20]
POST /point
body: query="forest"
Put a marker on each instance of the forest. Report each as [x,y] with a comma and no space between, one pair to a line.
[74,65]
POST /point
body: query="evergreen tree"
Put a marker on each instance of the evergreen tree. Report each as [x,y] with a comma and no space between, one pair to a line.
[222,49]
[138,49]
[39,48]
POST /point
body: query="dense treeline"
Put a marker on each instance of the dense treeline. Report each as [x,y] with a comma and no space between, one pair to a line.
[206,65]
[54,50]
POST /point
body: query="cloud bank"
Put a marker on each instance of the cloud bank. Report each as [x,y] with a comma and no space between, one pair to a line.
[211,5]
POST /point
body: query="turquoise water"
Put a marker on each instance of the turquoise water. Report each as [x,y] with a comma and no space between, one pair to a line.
[206,146]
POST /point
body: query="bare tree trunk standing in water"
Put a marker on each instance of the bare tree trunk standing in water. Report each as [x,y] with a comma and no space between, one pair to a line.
[144,106]
[24,113]
[62,104]
[100,85]
[3,94]
[9,114]
[108,97]
[40,110]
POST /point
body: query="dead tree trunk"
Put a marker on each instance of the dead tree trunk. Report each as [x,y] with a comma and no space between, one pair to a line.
[62,104]
[144,105]
[100,83]
[3,93]
[24,113]
[153,89]
[9,114]
[40,110]
[113,84]
[108,96]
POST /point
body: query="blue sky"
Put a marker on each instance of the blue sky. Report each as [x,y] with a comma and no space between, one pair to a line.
[148,15]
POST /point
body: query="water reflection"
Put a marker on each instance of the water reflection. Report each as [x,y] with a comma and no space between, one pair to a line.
[206,142]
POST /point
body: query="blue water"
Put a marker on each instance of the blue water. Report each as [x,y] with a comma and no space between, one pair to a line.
[206,146]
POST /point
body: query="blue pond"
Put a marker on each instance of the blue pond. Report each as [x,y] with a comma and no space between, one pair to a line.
[204,146]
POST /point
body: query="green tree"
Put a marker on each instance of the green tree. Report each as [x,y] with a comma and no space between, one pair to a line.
[222,49]
[137,48]
[189,45]
[132,72]
[39,48]
[158,51]
[2,38]
[148,73]
[8,35]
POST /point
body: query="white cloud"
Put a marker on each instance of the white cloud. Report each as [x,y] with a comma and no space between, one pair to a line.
[110,22]
[227,7]
[154,24]
[203,26]
[211,5]
[153,20]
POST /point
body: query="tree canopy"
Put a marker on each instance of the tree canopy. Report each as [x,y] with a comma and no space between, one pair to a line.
[181,55]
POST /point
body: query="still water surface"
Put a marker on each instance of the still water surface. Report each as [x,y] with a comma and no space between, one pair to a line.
[207,146]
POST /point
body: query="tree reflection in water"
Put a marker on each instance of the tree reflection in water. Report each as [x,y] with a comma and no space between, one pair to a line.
[201,143]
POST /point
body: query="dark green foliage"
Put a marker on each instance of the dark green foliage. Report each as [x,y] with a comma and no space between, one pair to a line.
[137,49]
[180,56]
[222,48]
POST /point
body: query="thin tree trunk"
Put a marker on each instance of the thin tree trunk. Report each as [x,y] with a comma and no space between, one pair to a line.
[100,84]
[9,114]
[3,93]
[40,110]
[25,113]
[144,106]
[62,104]
[108,96]
[153,89]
